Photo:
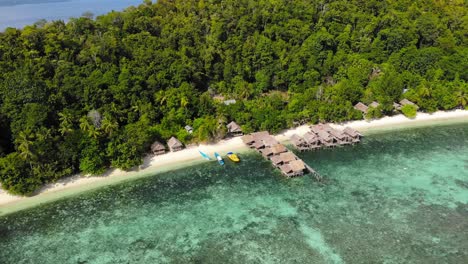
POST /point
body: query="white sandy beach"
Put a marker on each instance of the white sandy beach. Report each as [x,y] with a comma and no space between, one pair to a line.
[78,183]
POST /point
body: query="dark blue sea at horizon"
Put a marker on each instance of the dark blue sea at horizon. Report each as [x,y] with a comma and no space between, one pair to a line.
[19,13]
[399,197]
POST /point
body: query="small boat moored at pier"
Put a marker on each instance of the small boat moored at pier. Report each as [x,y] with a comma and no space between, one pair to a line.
[233,157]
[219,158]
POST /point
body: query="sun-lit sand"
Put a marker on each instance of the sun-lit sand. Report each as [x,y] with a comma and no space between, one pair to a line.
[152,164]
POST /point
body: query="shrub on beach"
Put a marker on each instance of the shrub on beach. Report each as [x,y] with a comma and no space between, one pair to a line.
[409,111]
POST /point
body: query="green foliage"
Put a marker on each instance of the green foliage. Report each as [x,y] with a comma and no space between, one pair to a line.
[94,93]
[374,112]
[409,111]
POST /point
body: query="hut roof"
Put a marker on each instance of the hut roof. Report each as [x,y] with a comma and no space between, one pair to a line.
[157,146]
[189,128]
[286,168]
[276,159]
[259,144]
[361,107]
[174,143]
[336,133]
[270,141]
[278,148]
[396,105]
[266,151]
[310,137]
[287,157]
[248,139]
[234,127]
[260,135]
[374,104]
[297,140]
[407,102]
[324,135]
[297,165]
[351,132]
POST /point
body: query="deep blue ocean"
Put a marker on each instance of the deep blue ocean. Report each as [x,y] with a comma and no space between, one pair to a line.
[19,13]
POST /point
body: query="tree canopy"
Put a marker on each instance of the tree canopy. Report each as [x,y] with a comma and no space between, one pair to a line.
[93,93]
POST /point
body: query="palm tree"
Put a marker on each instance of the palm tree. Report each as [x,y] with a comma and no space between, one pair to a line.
[25,147]
[66,124]
[461,98]
[85,125]
[108,125]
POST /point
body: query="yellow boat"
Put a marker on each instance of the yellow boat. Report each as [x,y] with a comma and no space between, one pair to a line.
[233,157]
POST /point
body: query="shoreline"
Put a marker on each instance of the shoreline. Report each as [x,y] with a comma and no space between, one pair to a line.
[157,164]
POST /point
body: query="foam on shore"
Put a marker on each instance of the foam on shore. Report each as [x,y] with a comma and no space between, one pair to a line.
[152,165]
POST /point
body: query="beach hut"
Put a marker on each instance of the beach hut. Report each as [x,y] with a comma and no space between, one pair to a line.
[189,129]
[259,145]
[234,129]
[267,152]
[276,160]
[396,106]
[174,144]
[361,107]
[248,140]
[408,102]
[338,135]
[312,140]
[325,138]
[299,142]
[287,157]
[269,141]
[353,135]
[297,167]
[278,149]
[157,148]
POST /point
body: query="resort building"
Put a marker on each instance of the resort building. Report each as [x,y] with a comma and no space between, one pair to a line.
[361,107]
[234,130]
[353,135]
[174,144]
[313,142]
[299,142]
[157,148]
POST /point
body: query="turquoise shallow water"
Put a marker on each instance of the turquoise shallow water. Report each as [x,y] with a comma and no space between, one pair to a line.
[399,197]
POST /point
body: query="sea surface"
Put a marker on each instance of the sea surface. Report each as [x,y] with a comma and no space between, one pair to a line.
[399,197]
[19,13]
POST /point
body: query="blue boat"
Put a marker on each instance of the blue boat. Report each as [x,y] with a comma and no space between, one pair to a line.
[219,158]
[204,155]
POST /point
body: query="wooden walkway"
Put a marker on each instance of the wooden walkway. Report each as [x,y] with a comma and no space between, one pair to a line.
[287,162]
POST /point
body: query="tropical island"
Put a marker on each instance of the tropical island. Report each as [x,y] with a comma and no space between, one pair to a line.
[91,94]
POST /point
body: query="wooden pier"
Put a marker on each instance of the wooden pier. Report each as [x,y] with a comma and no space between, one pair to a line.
[287,162]
[324,136]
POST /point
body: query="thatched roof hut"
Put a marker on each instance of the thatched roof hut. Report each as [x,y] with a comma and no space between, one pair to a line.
[267,152]
[396,106]
[287,157]
[361,107]
[311,138]
[258,144]
[297,165]
[248,139]
[337,134]
[408,102]
[276,160]
[269,141]
[323,135]
[174,144]
[278,149]
[158,148]
[351,132]
[234,129]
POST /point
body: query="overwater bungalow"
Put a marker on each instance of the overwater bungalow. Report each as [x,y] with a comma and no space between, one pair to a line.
[287,157]
[270,141]
[267,152]
[340,138]
[174,144]
[278,149]
[157,148]
[353,135]
[248,140]
[299,142]
[258,145]
[325,138]
[294,168]
[361,107]
[313,142]
[234,130]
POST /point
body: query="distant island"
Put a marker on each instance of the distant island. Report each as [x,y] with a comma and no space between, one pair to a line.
[91,94]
